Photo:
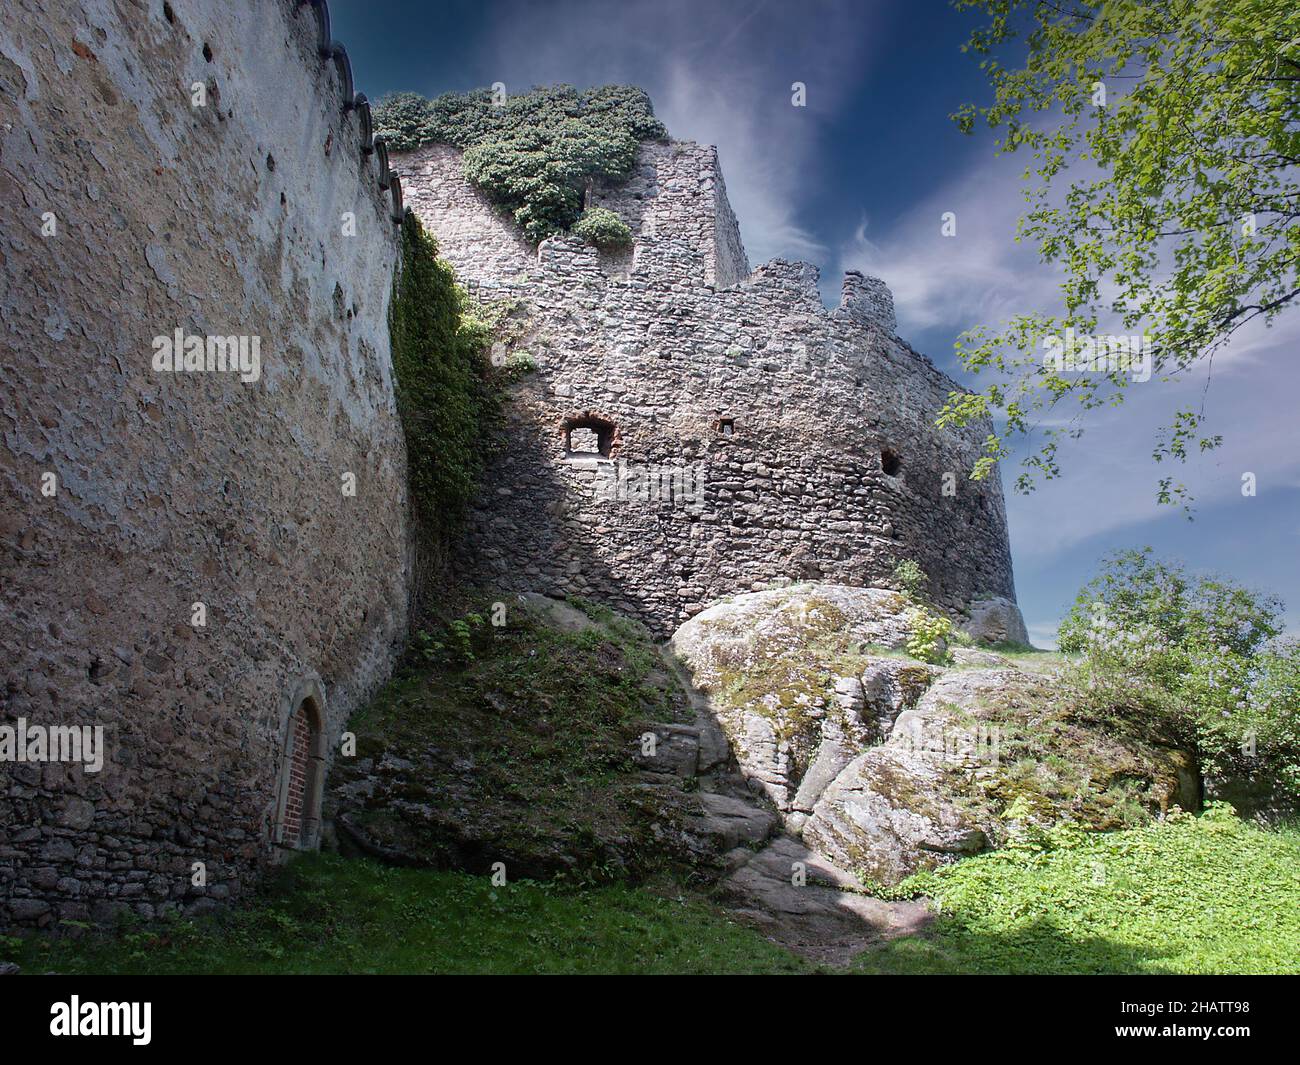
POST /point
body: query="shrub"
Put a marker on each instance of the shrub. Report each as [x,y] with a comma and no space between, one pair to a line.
[403,119]
[912,578]
[1199,656]
[928,636]
[535,153]
[928,630]
[603,228]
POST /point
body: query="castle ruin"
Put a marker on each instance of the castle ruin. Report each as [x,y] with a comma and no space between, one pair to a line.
[212,562]
[733,430]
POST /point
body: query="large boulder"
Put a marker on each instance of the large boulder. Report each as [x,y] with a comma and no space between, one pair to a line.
[996,620]
[889,766]
[796,710]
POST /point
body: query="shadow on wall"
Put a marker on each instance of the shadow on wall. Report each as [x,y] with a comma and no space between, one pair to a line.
[658,521]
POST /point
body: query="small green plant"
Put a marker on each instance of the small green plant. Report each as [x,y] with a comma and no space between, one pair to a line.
[929,630]
[428,648]
[928,636]
[603,228]
[912,579]
[518,364]
[462,632]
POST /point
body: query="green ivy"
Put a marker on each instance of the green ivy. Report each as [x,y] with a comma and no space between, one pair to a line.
[534,153]
[444,392]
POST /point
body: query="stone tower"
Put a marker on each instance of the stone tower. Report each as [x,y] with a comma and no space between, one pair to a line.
[695,429]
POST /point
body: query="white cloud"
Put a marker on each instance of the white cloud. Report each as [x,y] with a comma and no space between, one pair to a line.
[719,74]
[944,285]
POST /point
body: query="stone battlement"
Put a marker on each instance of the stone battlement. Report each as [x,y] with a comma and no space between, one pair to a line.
[814,427]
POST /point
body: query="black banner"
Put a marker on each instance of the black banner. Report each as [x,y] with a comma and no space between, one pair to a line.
[152,1014]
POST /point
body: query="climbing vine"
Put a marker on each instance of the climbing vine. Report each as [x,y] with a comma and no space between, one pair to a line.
[444,389]
[533,153]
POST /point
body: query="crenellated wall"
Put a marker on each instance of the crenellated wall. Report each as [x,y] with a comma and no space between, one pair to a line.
[179,562]
[810,431]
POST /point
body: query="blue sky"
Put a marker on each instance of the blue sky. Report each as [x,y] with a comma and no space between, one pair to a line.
[859,179]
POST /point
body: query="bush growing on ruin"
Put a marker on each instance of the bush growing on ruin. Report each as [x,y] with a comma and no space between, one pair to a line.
[603,228]
[532,153]
[1201,656]
[929,630]
[403,119]
[911,577]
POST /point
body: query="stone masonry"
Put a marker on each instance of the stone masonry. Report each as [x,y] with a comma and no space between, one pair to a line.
[744,434]
[133,496]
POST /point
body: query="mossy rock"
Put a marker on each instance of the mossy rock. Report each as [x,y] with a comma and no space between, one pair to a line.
[521,753]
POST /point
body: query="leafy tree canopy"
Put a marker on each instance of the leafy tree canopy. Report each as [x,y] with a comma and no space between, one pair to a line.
[533,153]
[1202,654]
[1164,139]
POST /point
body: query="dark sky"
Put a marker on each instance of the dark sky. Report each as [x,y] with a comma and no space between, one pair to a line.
[860,179]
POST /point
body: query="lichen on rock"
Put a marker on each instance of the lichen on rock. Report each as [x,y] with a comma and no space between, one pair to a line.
[889,766]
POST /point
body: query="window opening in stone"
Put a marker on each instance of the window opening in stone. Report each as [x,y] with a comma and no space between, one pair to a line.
[588,437]
[725,426]
[890,462]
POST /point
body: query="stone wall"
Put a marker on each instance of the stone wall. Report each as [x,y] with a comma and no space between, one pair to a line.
[175,489]
[808,431]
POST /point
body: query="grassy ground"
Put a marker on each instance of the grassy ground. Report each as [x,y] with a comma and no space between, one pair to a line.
[326,914]
[1192,895]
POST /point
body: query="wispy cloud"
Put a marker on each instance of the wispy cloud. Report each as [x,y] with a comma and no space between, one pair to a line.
[719,73]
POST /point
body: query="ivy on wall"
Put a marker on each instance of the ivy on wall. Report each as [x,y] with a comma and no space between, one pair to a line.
[445,394]
[532,153]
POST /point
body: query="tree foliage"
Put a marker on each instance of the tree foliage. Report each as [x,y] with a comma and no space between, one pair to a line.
[1164,139]
[533,153]
[1211,659]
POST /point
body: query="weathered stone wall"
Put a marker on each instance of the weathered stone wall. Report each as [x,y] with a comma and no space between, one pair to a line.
[668,342]
[173,489]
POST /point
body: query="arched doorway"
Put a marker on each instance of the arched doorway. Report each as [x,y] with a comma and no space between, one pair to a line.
[302,769]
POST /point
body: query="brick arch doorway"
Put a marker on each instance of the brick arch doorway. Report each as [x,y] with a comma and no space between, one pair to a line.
[302,769]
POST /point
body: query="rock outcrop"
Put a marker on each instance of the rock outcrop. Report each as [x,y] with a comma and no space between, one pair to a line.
[996,619]
[888,766]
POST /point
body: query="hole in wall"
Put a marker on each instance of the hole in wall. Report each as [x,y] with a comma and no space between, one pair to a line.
[724,426]
[207,51]
[588,436]
[270,162]
[169,14]
[891,462]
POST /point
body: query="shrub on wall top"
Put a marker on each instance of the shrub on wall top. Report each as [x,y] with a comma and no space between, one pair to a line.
[603,228]
[533,153]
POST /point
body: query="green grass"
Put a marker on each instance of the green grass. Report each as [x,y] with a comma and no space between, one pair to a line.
[325,914]
[1189,895]
[520,742]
